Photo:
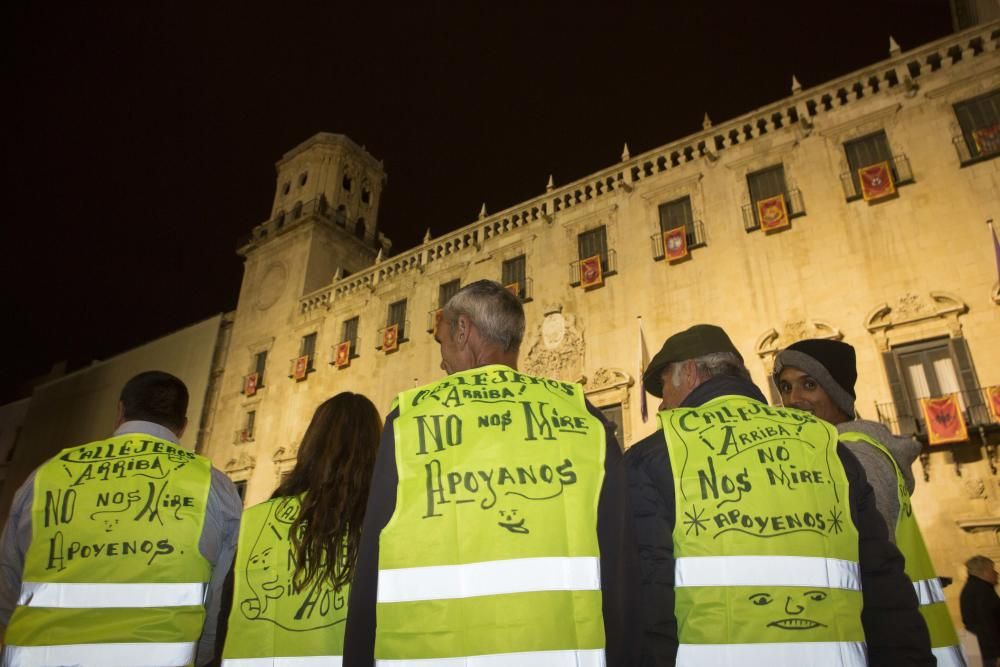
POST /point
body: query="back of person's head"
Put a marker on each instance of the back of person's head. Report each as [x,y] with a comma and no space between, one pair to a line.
[979,565]
[492,309]
[157,397]
[333,469]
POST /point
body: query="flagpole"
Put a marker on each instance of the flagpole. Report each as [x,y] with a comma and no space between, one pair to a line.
[643,409]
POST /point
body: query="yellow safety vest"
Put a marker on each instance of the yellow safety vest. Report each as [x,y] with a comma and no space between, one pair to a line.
[920,568]
[492,548]
[766,551]
[113,574]
[269,619]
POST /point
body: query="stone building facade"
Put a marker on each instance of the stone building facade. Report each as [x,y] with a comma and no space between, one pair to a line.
[908,279]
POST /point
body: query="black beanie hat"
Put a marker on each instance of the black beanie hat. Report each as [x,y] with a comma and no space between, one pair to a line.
[831,363]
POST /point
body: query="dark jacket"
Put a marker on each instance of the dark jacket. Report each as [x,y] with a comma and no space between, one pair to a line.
[618,559]
[981,615]
[894,629]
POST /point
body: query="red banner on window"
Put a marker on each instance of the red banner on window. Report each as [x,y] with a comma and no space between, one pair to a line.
[943,416]
[987,139]
[993,400]
[772,213]
[876,181]
[250,384]
[675,244]
[343,358]
[436,320]
[591,273]
[301,368]
[390,338]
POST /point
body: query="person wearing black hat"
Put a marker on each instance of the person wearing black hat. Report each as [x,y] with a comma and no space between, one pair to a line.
[818,376]
[759,538]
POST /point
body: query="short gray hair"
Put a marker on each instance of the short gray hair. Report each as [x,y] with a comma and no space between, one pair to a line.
[495,311]
[979,564]
[712,365]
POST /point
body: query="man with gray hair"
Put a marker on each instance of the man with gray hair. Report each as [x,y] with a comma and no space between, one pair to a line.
[759,540]
[497,530]
[980,607]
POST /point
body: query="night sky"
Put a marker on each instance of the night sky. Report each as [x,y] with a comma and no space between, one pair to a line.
[141,137]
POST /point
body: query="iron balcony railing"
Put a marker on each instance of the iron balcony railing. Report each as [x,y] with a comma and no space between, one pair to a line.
[402,334]
[971,152]
[902,175]
[695,239]
[908,419]
[793,202]
[609,267]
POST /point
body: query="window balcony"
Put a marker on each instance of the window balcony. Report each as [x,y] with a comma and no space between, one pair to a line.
[609,267]
[902,175]
[970,153]
[310,367]
[793,202]
[401,336]
[695,239]
[908,419]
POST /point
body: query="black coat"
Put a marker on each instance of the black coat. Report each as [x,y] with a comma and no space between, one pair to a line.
[894,629]
[981,615]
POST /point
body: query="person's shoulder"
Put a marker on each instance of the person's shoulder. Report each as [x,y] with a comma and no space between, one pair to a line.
[651,448]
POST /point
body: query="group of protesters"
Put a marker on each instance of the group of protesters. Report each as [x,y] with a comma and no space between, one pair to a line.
[493,519]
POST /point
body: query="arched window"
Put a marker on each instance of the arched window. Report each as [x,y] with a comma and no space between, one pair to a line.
[347,182]
[280,219]
[297,210]
[340,217]
[359,228]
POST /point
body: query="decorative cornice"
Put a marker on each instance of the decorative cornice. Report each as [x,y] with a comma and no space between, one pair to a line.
[880,115]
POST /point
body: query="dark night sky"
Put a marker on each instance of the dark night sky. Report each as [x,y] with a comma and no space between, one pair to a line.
[142,136]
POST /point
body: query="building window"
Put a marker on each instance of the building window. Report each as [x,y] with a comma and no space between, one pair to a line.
[359,228]
[241,489]
[259,364]
[930,369]
[248,427]
[594,242]
[349,333]
[307,348]
[867,151]
[297,210]
[678,213]
[366,196]
[765,184]
[514,272]
[303,177]
[286,188]
[613,414]
[448,290]
[397,316]
[347,183]
[980,121]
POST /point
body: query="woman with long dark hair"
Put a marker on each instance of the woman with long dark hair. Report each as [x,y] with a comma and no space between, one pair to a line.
[297,551]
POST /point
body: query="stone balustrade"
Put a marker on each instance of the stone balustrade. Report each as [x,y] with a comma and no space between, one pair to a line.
[801,109]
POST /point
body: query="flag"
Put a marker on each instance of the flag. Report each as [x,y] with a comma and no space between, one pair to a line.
[772,213]
[987,139]
[643,362]
[993,400]
[250,384]
[300,369]
[344,354]
[876,181]
[390,338]
[675,245]
[996,246]
[591,272]
[943,416]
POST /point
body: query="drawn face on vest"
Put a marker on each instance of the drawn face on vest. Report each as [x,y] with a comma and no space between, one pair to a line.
[797,606]
[802,391]
[512,520]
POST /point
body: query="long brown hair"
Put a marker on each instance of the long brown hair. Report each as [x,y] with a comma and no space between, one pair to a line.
[333,471]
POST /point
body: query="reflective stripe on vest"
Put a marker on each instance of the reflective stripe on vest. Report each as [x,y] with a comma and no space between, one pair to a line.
[845,654]
[303,661]
[929,591]
[499,577]
[767,571]
[949,656]
[93,596]
[272,623]
[766,552]
[140,654]
[500,473]
[593,658]
[919,567]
